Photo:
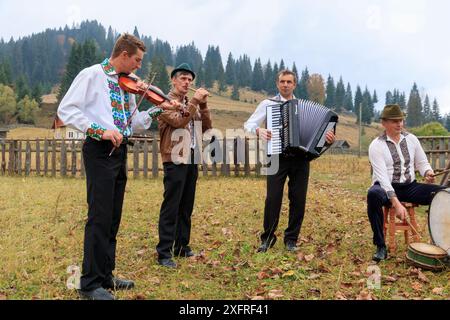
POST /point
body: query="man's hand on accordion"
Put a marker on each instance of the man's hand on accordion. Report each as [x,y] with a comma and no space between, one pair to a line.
[330,137]
[264,134]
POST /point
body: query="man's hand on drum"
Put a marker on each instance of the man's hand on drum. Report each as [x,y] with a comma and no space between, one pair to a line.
[264,134]
[429,177]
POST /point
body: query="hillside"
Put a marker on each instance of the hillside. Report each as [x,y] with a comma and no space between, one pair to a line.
[226,113]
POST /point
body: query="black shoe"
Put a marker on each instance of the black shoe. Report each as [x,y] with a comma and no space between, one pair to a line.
[266,245]
[169,263]
[185,253]
[381,254]
[291,246]
[97,294]
[118,284]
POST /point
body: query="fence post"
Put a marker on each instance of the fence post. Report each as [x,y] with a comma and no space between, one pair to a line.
[247,157]
[63,166]
[74,159]
[145,148]
[155,157]
[38,157]
[45,157]
[28,159]
[82,169]
[442,153]
[54,158]
[3,143]
[11,160]
[258,159]
[18,168]
[136,159]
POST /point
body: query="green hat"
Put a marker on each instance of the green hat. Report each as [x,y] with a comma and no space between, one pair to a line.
[392,112]
[183,67]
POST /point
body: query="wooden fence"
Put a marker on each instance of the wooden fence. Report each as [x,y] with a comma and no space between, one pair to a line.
[239,156]
[59,157]
[437,150]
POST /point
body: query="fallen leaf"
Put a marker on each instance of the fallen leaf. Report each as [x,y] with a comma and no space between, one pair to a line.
[309,258]
[274,294]
[139,296]
[155,281]
[422,277]
[300,256]
[141,252]
[276,271]
[263,275]
[346,285]
[340,296]
[313,276]
[2,296]
[365,295]
[289,273]
[390,279]
[416,286]
[438,291]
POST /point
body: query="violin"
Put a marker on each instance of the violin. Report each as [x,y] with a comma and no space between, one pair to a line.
[153,94]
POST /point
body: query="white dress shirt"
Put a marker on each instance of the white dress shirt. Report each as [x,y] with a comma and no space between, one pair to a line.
[397,162]
[260,114]
[95,103]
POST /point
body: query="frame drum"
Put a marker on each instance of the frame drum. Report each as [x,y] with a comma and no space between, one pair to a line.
[439,220]
[427,256]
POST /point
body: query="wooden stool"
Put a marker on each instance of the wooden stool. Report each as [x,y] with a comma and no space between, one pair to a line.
[391,226]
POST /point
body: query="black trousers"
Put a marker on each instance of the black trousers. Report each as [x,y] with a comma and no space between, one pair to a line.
[297,169]
[106,179]
[176,210]
[406,192]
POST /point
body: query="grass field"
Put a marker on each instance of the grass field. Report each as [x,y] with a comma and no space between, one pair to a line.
[42,224]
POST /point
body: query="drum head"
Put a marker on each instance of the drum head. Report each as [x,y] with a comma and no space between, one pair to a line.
[428,249]
[439,220]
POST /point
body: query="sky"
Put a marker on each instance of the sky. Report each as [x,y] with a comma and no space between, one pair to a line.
[383,44]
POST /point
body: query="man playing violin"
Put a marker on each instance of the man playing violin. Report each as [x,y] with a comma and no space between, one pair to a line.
[395,156]
[95,104]
[180,169]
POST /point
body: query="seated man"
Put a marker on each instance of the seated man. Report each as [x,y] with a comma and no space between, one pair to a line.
[395,156]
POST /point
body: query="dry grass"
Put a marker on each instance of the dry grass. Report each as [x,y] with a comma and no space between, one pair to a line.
[42,223]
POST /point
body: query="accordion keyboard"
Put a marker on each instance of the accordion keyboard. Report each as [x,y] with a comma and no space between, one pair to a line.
[275,125]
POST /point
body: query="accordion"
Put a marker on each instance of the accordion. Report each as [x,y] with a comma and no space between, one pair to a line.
[299,125]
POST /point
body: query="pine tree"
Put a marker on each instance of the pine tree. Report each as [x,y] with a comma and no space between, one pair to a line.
[282,65]
[340,96]
[136,33]
[348,101]
[389,98]
[258,76]
[447,122]
[367,108]
[235,93]
[37,92]
[375,97]
[331,93]
[427,115]
[414,118]
[22,89]
[302,88]
[161,76]
[230,70]
[435,114]
[358,102]
[269,78]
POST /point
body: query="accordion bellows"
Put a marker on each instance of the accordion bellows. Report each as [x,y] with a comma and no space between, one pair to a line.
[299,125]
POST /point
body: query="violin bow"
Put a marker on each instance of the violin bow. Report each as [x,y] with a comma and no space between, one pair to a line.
[137,107]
